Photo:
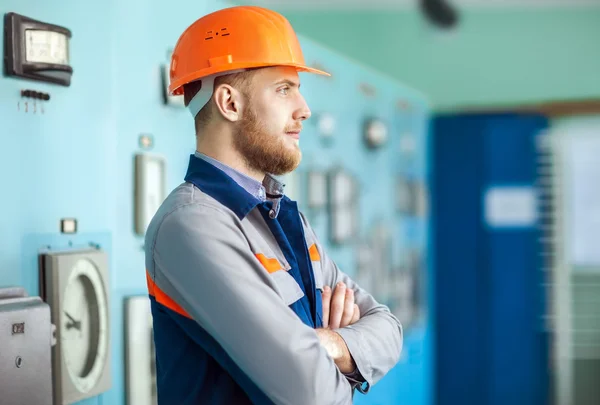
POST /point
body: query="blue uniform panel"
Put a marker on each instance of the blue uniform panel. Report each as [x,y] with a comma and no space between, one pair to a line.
[195,356]
[491,349]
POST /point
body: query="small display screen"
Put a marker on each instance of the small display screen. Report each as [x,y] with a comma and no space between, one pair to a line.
[46,47]
[18,328]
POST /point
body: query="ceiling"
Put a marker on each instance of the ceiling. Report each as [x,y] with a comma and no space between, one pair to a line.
[407,4]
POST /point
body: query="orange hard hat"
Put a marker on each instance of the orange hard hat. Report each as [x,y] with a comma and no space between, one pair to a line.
[234,39]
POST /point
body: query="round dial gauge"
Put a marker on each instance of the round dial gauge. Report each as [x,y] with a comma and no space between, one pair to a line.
[84,326]
[376,133]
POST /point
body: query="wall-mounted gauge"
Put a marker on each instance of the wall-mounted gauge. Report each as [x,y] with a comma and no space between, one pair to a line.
[150,188]
[140,363]
[75,285]
[375,133]
[343,199]
[316,189]
[36,50]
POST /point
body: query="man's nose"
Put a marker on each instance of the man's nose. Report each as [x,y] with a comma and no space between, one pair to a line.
[302,113]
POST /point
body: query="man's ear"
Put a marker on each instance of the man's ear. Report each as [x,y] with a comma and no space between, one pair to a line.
[228,102]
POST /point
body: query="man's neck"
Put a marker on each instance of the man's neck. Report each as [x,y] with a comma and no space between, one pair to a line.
[231,158]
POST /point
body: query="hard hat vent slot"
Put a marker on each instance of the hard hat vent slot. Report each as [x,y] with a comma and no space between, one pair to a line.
[211,34]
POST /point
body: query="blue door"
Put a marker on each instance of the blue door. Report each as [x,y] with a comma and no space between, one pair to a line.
[491,348]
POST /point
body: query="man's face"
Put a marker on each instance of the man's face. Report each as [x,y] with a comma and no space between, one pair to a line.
[269,132]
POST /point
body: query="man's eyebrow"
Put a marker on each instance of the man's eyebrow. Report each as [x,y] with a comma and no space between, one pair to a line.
[289,82]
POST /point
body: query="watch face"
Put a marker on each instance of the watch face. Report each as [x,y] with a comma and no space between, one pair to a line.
[84,326]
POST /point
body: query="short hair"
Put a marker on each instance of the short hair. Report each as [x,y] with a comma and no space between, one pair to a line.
[240,80]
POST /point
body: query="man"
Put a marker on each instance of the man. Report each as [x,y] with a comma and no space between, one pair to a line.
[247,307]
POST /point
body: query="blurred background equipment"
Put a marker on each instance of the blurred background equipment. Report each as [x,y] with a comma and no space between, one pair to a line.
[375,133]
[140,361]
[343,206]
[150,188]
[568,166]
[489,276]
[441,13]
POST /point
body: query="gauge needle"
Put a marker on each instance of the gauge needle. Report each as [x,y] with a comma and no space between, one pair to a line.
[73,324]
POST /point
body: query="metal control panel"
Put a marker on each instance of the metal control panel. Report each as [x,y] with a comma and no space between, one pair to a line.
[26,339]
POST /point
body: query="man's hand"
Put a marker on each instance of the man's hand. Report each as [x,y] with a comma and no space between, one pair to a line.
[339,309]
[337,349]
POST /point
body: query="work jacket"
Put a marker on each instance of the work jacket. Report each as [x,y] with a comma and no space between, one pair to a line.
[235,288]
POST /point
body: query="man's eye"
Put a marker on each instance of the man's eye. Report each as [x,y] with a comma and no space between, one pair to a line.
[284,90]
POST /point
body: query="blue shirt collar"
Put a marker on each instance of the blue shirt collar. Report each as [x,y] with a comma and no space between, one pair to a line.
[249,184]
[217,183]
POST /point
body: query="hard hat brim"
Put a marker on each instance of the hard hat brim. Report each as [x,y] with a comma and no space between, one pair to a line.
[176,87]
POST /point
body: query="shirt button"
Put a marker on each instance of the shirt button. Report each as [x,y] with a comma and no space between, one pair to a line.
[272,214]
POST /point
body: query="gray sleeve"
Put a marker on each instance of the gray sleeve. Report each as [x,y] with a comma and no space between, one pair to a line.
[204,263]
[375,341]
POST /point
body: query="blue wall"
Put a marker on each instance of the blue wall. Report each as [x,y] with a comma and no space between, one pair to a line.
[76,159]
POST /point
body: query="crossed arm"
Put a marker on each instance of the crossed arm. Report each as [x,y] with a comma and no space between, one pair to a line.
[339,311]
[210,272]
[373,339]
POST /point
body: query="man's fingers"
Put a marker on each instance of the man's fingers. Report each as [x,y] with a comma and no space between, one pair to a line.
[326,297]
[356,315]
[337,306]
[348,308]
[339,309]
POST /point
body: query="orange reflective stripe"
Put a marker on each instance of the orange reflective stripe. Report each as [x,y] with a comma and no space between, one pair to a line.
[314,253]
[150,284]
[271,265]
[163,298]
